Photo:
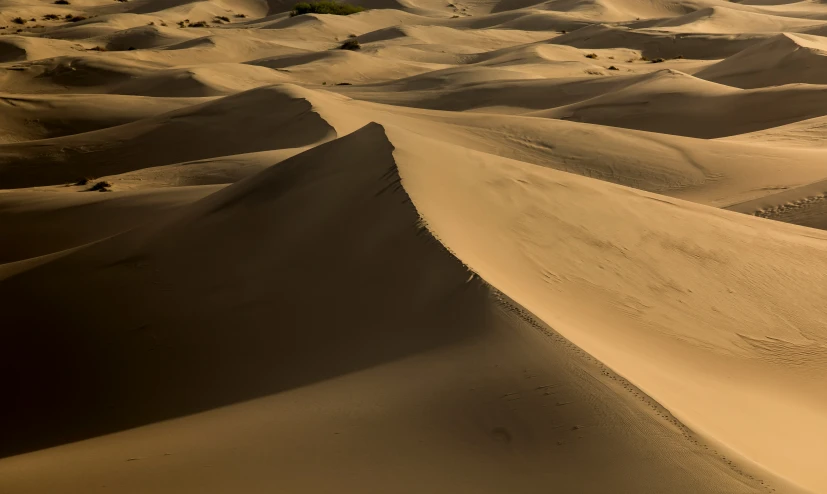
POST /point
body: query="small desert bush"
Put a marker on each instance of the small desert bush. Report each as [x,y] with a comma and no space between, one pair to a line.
[240,16]
[61,2]
[199,24]
[325,7]
[612,67]
[351,44]
[19,20]
[591,55]
[101,186]
[658,60]
[222,18]
[51,17]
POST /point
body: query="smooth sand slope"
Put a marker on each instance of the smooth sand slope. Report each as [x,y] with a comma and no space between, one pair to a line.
[505,246]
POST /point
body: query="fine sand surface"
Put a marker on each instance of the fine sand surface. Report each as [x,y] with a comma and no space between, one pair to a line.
[569,246]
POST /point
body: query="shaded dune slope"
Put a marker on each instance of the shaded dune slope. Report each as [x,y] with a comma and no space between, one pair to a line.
[138,360]
[783,59]
[235,124]
[37,223]
[671,102]
[33,117]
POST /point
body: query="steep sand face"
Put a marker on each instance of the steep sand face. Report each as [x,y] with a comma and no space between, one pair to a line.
[503,246]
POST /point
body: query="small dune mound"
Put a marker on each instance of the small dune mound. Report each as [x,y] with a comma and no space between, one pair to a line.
[782,59]
[84,73]
[98,26]
[348,64]
[386,34]
[23,48]
[41,227]
[653,44]
[723,20]
[43,116]
[241,123]
[614,11]
[672,102]
[667,101]
[144,37]
[211,80]
[12,51]
[452,39]
[197,42]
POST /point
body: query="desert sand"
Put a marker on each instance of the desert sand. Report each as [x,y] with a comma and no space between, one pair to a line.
[566,246]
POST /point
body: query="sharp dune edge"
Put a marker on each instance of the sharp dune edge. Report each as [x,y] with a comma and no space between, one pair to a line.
[568,246]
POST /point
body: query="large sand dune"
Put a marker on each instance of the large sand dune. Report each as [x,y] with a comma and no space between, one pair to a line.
[520,246]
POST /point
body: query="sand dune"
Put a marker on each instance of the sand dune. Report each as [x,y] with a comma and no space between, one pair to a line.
[199,81]
[783,59]
[676,103]
[32,117]
[80,74]
[806,133]
[654,44]
[151,142]
[143,37]
[38,223]
[725,20]
[487,246]
[333,67]
[461,327]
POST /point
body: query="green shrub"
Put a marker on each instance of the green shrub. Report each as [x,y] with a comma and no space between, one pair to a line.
[325,7]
